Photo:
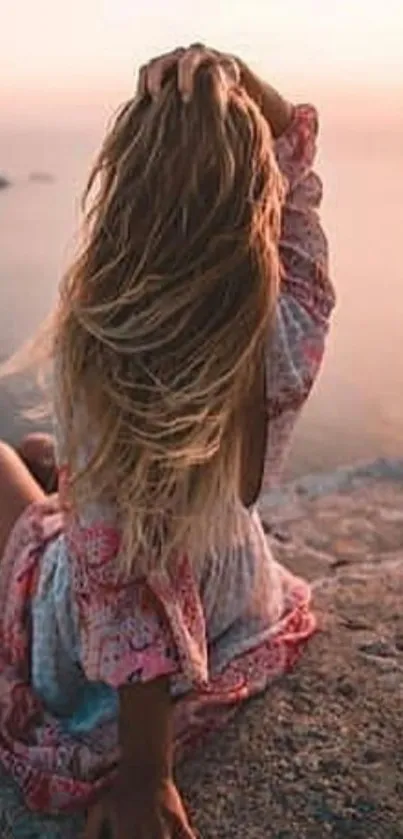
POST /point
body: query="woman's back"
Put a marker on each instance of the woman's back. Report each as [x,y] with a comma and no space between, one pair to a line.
[183,354]
[164,317]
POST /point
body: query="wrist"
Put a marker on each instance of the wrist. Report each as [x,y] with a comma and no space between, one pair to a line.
[140,784]
[274,107]
[151,771]
[281,118]
[147,773]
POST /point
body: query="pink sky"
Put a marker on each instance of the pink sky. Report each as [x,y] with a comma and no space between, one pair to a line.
[65,60]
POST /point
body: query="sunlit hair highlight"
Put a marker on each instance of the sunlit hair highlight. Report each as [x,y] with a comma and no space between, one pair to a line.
[163,314]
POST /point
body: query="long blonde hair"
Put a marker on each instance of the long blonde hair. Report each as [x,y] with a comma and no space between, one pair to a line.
[162,315]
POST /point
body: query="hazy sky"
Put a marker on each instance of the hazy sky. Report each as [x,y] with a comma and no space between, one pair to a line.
[56,55]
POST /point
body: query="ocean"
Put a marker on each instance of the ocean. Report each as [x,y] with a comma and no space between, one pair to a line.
[356,409]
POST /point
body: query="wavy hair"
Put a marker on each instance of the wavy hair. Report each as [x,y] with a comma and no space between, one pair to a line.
[162,316]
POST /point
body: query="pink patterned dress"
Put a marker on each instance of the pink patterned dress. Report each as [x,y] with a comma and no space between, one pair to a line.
[72,630]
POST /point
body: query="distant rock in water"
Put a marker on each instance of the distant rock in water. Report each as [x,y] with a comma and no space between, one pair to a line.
[4,182]
[41,177]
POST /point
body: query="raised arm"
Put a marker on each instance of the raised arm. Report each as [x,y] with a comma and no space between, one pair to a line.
[306,300]
[274,107]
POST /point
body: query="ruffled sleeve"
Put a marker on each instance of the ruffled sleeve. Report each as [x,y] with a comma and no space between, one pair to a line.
[307,297]
[133,630]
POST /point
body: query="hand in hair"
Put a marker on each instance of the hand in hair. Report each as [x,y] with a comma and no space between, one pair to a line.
[274,107]
[187,63]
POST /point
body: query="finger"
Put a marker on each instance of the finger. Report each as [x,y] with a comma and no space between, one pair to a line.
[231,67]
[165,830]
[142,81]
[193,58]
[188,66]
[229,64]
[158,70]
[179,822]
[181,830]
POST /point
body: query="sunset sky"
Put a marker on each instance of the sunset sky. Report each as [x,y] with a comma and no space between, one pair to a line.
[60,58]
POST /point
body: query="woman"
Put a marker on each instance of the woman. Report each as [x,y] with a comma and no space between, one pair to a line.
[141,604]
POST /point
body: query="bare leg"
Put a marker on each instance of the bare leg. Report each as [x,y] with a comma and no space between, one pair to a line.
[18,489]
[38,453]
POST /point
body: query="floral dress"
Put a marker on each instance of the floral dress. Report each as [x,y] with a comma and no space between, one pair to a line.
[72,630]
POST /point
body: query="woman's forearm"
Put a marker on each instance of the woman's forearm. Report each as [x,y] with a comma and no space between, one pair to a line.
[145,732]
[277,110]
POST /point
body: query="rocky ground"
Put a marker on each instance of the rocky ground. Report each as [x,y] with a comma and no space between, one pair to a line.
[321,754]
